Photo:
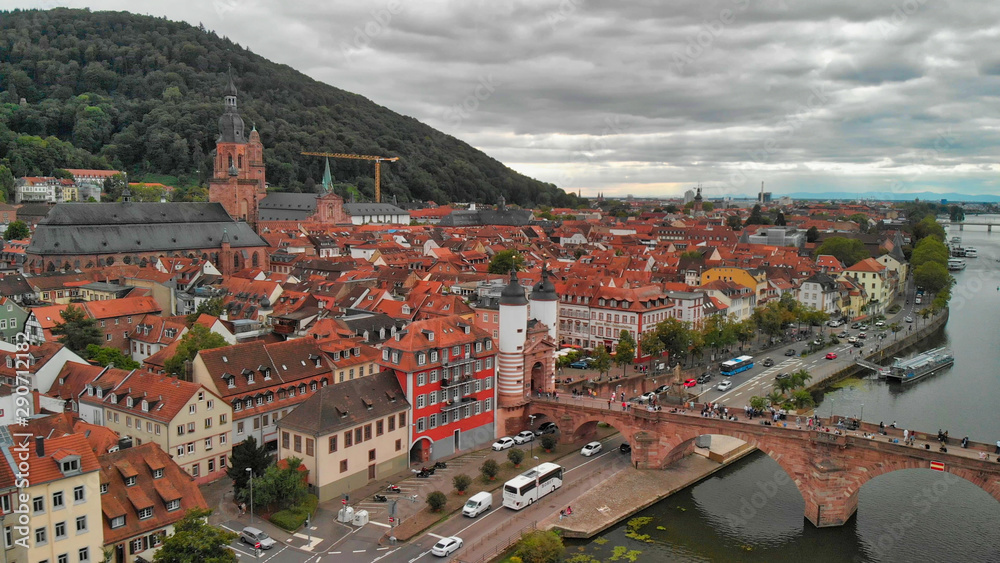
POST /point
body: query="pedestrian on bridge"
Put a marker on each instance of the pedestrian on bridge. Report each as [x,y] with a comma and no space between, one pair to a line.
[906,436]
[998,447]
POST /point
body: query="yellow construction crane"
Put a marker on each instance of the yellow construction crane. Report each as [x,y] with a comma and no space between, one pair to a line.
[378,166]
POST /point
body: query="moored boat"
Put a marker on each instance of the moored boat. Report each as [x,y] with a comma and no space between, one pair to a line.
[918,366]
[956,264]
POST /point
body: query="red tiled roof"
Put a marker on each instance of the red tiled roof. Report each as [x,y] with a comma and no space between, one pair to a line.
[121,307]
[45,469]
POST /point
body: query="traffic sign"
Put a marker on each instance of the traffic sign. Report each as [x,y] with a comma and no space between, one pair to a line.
[343,501]
[391,520]
[937,465]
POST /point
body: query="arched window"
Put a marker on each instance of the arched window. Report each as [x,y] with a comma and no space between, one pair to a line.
[230,161]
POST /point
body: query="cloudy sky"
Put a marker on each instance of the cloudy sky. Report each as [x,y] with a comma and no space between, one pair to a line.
[652,97]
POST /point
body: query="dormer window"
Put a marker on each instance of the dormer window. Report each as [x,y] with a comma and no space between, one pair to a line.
[100,393]
[357,351]
[70,465]
[145,406]
[434,355]
[157,473]
[114,398]
[130,481]
[128,402]
[104,490]
[336,356]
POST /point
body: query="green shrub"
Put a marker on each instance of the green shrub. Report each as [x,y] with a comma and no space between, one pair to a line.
[490,469]
[461,482]
[540,546]
[549,442]
[516,456]
[293,518]
[437,500]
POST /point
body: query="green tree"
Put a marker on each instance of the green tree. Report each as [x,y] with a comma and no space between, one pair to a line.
[490,469]
[17,230]
[515,456]
[812,234]
[932,276]
[707,206]
[651,345]
[848,251]
[956,214]
[800,378]
[436,501]
[928,227]
[195,540]
[212,307]
[197,338]
[861,219]
[756,217]
[779,220]
[105,356]
[540,546]
[76,331]
[247,454]
[7,182]
[676,337]
[114,187]
[929,249]
[505,261]
[759,403]
[549,442]
[277,487]
[783,385]
[602,359]
[895,328]
[802,399]
[625,351]
[775,398]
[734,222]
[461,482]
[62,174]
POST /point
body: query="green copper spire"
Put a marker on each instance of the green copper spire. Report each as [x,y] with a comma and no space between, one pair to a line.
[327,178]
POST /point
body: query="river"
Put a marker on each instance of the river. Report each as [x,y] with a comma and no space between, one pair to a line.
[909,515]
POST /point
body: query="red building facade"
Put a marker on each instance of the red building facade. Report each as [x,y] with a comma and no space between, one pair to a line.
[447,368]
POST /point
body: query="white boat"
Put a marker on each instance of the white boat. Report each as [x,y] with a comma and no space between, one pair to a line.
[956,264]
[956,240]
[971,252]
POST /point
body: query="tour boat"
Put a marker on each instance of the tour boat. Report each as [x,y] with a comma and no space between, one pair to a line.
[971,252]
[955,264]
[920,365]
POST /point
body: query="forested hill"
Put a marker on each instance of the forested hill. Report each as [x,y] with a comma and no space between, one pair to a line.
[144,94]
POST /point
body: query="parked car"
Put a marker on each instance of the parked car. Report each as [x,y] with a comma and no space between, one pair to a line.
[690,382]
[881,323]
[546,428]
[790,352]
[580,364]
[625,448]
[768,362]
[831,356]
[856,325]
[705,378]
[917,300]
[862,335]
[725,385]
[843,334]
[503,443]
[446,546]
[661,389]
[858,344]
[818,342]
[524,437]
[646,397]
[591,449]
[852,339]
[253,536]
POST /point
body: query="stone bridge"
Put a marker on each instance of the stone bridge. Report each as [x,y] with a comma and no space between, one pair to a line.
[828,469]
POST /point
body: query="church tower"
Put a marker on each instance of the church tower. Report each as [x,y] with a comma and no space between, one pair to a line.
[238,181]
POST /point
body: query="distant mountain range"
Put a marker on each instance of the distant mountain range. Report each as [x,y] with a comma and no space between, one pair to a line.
[894,196]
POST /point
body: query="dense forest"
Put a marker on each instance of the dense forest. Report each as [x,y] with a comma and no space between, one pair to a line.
[81,89]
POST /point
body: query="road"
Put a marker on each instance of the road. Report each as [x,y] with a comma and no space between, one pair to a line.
[478,535]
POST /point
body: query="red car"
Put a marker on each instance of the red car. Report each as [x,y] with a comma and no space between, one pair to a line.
[690,383]
[831,356]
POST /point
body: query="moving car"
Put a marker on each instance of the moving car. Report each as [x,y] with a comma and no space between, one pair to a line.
[908,319]
[843,334]
[446,546]
[790,352]
[725,385]
[831,356]
[591,449]
[524,437]
[782,376]
[768,362]
[546,428]
[661,389]
[253,536]
[818,342]
[858,344]
[580,364]
[503,444]
[852,339]
[625,448]
[705,378]
[646,397]
[862,335]
[690,382]
[478,503]
[856,325]
[881,323]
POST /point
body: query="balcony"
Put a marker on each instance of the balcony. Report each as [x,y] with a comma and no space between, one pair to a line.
[453,404]
[448,383]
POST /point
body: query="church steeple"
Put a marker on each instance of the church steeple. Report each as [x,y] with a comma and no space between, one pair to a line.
[231,126]
[327,178]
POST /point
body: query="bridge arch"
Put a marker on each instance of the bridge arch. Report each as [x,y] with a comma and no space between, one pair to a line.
[950,476]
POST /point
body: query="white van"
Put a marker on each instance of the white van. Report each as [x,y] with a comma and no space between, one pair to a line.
[478,503]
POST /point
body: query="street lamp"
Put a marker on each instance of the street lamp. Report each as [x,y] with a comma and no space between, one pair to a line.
[531,424]
[250,471]
[862,412]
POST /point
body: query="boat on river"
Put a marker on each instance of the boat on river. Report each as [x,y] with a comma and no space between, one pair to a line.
[971,252]
[956,264]
[918,366]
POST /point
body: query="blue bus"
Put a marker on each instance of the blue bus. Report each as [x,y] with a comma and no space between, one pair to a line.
[736,365]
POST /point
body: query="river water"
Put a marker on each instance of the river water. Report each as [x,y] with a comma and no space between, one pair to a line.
[909,515]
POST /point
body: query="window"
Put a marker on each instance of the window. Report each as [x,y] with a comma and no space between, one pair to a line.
[309,447]
[239,427]
[432,421]
[146,513]
[208,422]
[333,444]
[158,473]
[129,481]
[208,444]
[392,423]
[191,448]
[81,524]
[223,418]
[434,376]
[222,438]
[41,537]
[38,504]
[60,530]
[379,428]
[190,427]
[421,379]
[117,522]
[196,470]
[343,466]
[371,455]
[348,441]
[78,495]
[180,451]
[399,445]
[488,404]
[57,500]
[285,440]
[420,424]
[368,432]
[173,505]
[84,554]
[402,420]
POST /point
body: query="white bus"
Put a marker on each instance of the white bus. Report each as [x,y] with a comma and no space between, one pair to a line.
[531,485]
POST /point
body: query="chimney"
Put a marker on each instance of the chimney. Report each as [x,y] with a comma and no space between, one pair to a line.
[40,446]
